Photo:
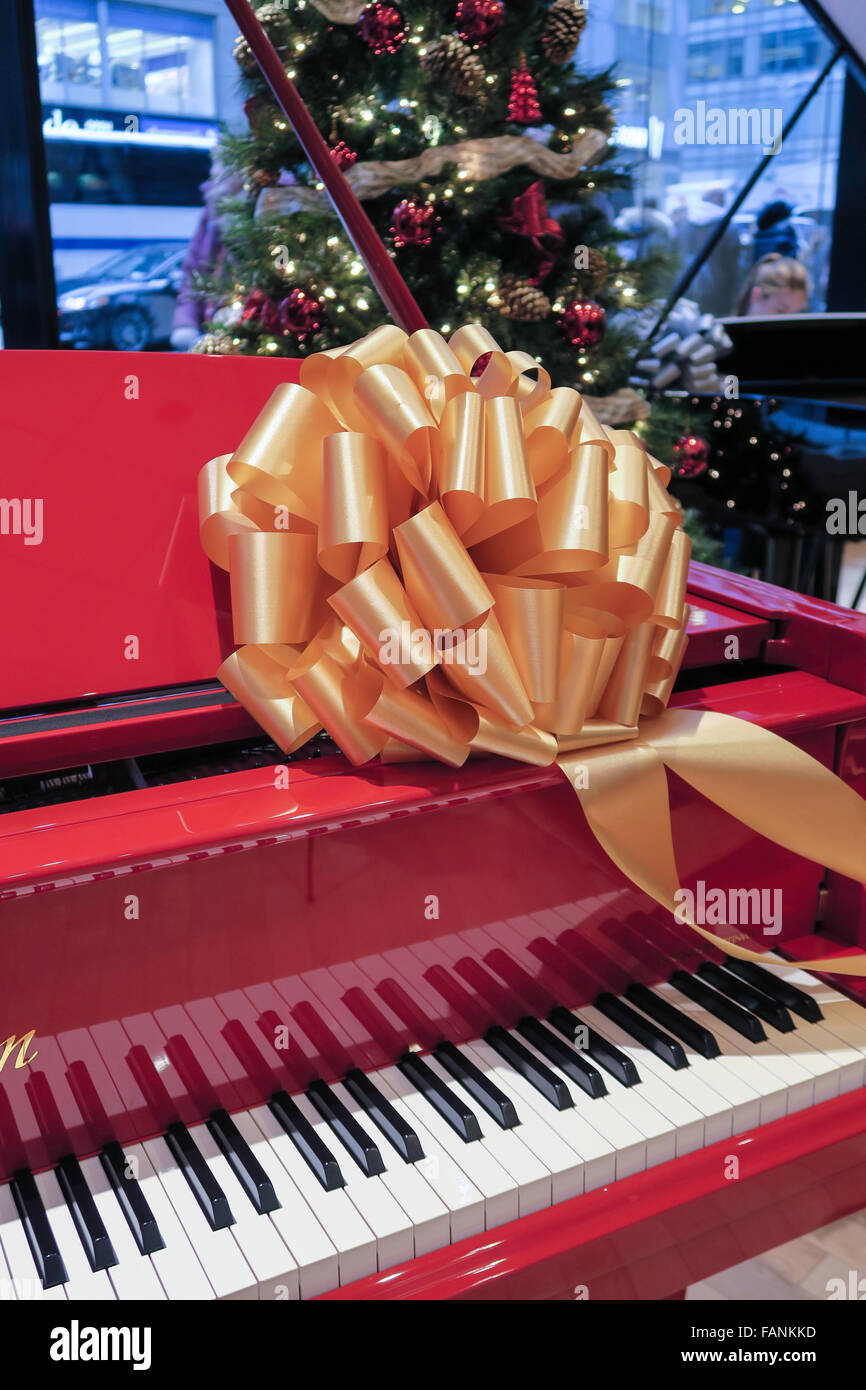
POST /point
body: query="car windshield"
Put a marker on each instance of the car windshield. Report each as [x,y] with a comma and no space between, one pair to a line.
[140,264]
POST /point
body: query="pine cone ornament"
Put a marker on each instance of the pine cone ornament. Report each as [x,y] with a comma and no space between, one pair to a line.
[565,22]
[521,301]
[593,275]
[275,21]
[261,178]
[450,60]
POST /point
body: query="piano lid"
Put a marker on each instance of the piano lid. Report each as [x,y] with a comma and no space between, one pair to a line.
[98,517]
[99,541]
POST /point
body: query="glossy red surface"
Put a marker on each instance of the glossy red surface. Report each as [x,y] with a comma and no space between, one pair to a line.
[651,1235]
[120,555]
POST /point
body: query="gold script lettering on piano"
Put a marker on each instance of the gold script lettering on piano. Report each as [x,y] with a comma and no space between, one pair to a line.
[22,1043]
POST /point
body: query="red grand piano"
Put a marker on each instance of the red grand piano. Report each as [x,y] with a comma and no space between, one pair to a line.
[284,1028]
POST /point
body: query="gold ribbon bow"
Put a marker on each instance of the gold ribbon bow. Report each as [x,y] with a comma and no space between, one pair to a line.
[432,564]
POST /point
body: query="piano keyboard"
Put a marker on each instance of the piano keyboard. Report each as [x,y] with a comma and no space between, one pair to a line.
[293,1198]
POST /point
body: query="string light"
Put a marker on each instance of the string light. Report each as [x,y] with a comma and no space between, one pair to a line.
[362,303]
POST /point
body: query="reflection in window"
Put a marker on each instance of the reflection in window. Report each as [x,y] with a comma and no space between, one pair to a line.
[791,50]
[125,56]
[67,37]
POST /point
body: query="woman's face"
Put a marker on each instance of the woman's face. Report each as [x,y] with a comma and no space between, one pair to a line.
[777,301]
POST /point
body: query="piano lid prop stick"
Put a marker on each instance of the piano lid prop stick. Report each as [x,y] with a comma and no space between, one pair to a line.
[386,278]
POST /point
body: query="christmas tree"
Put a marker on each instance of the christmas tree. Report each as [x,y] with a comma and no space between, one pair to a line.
[482,156]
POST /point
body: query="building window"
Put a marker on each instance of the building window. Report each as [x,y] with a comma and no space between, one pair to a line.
[711,62]
[127,57]
[789,50]
[70,56]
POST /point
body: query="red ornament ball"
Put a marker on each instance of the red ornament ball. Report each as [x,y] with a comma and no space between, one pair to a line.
[413,224]
[691,456]
[383,28]
[342,155]
[301,313]
[583,322]
[480,364]
[479,21]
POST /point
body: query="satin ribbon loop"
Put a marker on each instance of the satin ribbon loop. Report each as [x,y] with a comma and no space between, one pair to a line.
[434,553]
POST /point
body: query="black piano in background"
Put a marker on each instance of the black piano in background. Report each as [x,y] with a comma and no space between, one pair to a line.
[778,466]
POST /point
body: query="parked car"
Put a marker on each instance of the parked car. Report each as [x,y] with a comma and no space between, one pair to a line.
[126,302]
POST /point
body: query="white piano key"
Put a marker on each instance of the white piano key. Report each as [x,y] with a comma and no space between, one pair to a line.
[24,1282]
[563,1164]
[460,1196]
[679,1089]
[352,1238]
[133,1276]
[312,1250]
[496,1186]
[427,1212]
[379,1209]
[632,1143]
[813,1048]
[844,1018]
[747,1060]
[259,1241]
[177,1266]
[83,1282]
[742,1101]
[227,1271]
[595,1154]
[530,1175]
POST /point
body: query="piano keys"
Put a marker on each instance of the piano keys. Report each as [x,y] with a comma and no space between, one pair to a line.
[272,1227]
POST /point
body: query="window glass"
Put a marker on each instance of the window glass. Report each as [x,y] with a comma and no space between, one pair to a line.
[131,114]
[705,88]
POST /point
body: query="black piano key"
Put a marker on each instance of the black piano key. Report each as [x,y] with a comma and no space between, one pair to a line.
[399,1133]
[761,1005]
[133,1203]
[243,1162]
[562,1056]
[446,1102]
[529,1067]
[86,1219]
[362,1148]
[719,1006]
[479,1086]
[313,1151]
[600,1049]
[784,993]
[661,1044]
[40,1237]
[676,1022]
[202,1183]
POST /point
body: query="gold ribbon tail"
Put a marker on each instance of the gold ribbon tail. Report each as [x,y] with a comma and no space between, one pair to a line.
[768,784]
